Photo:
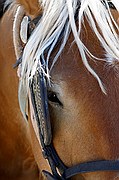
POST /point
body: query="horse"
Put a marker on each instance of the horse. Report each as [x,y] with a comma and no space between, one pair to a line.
[16,156]
[69,86]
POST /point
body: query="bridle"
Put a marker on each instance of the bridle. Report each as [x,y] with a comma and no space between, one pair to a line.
[39,100]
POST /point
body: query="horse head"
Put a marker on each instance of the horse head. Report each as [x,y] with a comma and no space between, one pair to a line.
[78,45]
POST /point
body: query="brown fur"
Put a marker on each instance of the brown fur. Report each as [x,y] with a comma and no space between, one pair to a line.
[86,128]
[16,157]
[32,7]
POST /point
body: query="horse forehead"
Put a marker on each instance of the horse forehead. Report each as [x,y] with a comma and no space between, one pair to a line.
[64,73]
[69,65]
[69,78]
[69,69]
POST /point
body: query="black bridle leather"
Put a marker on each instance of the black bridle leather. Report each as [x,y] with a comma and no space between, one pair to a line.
[38,94]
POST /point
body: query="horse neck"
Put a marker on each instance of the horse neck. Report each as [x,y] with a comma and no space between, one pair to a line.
[17,157]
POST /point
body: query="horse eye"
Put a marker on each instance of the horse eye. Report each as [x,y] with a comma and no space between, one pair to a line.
[52,97]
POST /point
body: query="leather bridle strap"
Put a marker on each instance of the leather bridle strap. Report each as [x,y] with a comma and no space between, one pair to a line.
[38,99]
[88,167]
[94,166]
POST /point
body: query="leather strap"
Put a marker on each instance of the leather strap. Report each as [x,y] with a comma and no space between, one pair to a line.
[94,166]
[39,101]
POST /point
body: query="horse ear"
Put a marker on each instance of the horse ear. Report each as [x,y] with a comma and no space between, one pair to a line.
[32,7]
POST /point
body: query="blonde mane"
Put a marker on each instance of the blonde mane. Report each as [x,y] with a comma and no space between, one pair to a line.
[58,16]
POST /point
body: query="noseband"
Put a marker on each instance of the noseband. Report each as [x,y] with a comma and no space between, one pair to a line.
[39,100]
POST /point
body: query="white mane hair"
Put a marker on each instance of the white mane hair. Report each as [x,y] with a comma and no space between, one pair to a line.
[59,15]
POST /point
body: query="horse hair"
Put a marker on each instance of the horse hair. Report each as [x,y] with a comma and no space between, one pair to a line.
[58,15]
